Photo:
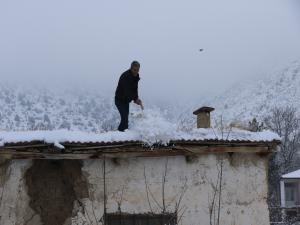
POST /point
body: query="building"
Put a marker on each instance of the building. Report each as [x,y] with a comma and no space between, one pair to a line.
[204,177]
[290,194]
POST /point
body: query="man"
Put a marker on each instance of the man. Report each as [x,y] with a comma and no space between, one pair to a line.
[127,91]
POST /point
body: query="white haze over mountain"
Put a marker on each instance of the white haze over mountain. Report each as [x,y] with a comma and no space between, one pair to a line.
[79,44]
[256,98]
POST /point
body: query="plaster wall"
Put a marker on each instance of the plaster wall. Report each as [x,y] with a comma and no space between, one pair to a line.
[189,187]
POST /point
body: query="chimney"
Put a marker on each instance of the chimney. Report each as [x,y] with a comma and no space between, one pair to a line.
[203,116]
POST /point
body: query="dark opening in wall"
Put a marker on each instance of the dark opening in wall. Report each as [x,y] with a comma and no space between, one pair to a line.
[4,166]
[141,219]
[53,186]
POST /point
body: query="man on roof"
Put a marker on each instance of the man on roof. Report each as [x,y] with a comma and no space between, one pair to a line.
[127,91]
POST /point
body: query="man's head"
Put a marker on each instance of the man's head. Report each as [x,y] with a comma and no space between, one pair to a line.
[135,68]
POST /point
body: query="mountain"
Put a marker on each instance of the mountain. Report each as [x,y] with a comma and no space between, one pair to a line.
[255,98]
[28,108]
[40,108]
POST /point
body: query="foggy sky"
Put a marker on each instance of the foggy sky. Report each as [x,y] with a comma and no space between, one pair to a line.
[90,43]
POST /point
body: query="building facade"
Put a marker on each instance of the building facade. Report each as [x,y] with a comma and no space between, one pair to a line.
[205,177]
[187,182]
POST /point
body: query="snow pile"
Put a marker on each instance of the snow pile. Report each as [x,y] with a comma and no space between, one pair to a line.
[61,136]
[233,134]
[149,127]
[295,174]
[152,127]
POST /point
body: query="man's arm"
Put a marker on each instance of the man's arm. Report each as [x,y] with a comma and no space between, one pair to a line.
[137,100]
[136,93]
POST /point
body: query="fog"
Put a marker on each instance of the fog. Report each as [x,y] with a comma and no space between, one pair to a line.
[88,44]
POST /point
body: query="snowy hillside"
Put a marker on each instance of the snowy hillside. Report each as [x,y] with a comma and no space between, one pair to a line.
[256,98]
[28,108]
[42,109]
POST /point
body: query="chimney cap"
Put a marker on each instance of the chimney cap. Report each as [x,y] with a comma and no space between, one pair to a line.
[205,109]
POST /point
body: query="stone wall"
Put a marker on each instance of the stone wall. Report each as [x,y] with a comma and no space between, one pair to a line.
[65,192]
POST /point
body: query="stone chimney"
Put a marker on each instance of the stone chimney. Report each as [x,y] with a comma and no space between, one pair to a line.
[203,116]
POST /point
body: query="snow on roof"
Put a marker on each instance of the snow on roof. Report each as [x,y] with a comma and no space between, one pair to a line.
[149,127]
[292,175]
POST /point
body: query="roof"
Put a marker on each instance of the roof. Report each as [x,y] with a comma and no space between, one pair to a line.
[64,143]
[57,137]
[203,109]
[292,175]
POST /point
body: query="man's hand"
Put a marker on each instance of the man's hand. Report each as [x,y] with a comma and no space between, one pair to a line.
[139,102]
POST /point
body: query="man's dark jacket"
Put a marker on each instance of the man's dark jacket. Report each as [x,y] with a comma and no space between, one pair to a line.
[127,89]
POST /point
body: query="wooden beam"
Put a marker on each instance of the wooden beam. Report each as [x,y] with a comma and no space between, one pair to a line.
[221,149]
[121,151]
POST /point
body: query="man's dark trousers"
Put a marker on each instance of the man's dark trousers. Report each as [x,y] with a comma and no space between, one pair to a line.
[123,108]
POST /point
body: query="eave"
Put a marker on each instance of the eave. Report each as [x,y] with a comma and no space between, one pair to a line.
[126,149]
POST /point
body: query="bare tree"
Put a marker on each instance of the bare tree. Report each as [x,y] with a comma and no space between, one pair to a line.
[214,204]
[255,126]
[147,190]
[164,177]
[285,122]
[176,200]
[222,129]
